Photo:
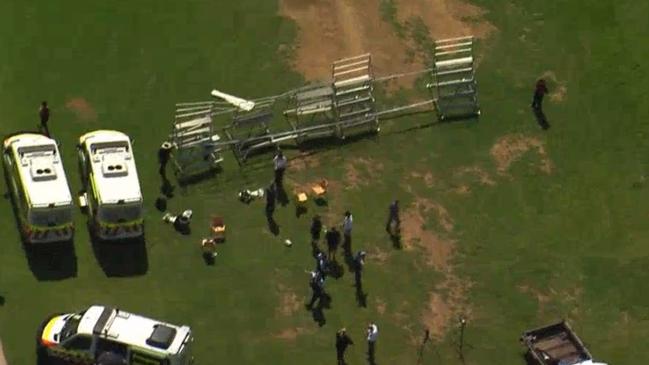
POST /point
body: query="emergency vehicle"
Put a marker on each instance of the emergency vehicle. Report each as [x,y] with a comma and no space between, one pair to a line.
[112,193]
[39,188]
[100,331]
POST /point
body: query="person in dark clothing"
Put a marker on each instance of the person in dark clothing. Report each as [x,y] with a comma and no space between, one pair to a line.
[537,103]
[316,228]
[317,288]
[393,218]
[333,240]
[322,264]
[270,200]
[539,92]
[359,261]
[164,153]
[44,114]
[342,342]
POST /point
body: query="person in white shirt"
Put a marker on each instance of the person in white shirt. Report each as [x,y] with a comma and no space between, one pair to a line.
[347,233]
[372,336]
[279,164]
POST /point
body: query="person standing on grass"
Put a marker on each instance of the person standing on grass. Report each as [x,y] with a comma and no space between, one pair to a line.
[279,164]
[321,264]
[359,261]
[316,228]
[372,336]
[347,232]
[317,288]
[539,92]
[44,114]
[164,153]
[333,240]
[393,218]
[342,342]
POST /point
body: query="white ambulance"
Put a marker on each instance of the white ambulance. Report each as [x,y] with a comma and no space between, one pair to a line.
[103,332]
[112,188]
[39,188]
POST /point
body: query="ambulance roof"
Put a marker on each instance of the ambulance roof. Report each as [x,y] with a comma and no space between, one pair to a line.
[113,166]
[41,170]
[133,330]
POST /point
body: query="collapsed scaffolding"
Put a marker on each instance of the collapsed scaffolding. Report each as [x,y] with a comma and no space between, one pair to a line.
[345,106]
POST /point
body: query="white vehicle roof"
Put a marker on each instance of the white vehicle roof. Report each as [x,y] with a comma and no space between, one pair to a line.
[113,166]
[41,169]
[133,330]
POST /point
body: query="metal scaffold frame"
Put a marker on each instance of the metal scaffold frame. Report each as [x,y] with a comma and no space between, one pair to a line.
[343,107]
[196,148]
[454,84]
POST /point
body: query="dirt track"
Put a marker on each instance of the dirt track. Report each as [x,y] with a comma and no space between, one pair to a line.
[333,29]
[3,360]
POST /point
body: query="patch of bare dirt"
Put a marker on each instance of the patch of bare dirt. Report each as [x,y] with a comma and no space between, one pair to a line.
[362,172]
[289,302]
[449,298]
[291,334]
[462,190]
[3,360]
[447,18]
[334,29]
[483,176]
[427,177]
[438,249]
[81,108]
[445,305]
[569,299]
[512,147]
[558,89]
[380,306]
[304,161]
[378,256]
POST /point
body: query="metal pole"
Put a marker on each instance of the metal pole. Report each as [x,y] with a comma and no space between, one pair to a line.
[462,326]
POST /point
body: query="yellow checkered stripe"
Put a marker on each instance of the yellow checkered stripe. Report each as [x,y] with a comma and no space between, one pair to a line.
[72,357]
[122,224]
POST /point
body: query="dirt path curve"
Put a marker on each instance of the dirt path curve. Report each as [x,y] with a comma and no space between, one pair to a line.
[3,360]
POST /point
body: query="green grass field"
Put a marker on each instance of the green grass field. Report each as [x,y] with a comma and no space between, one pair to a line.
[530,247]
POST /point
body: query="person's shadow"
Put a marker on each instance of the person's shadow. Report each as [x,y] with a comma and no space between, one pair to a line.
[166,188]
[2,300]
[541,119]
[272,225]
[335,269]
[282,197]
[318,311]
[361,296]
[371,352]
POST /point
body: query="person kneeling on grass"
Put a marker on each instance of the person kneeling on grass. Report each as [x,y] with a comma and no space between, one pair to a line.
[209,247]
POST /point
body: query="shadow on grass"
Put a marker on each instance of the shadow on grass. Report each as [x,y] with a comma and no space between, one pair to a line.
[335,269]
[317,312]
[272,224]
[52,261]
[361,296]
[541,119]
[121,258]
[187,181]
[2,300]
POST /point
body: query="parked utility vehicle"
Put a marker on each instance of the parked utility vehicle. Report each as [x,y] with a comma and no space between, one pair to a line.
[112,188]
[39,188]
[99,332]
[556,344]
